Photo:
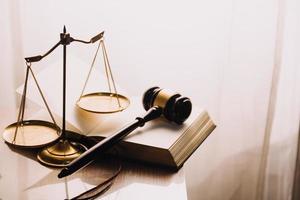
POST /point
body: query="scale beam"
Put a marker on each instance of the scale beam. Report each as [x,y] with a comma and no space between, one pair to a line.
[65,39]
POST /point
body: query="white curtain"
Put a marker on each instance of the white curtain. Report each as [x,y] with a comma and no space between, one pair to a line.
[237,59]
[282,130]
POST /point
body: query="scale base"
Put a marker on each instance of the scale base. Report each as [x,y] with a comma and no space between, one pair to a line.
[61,153]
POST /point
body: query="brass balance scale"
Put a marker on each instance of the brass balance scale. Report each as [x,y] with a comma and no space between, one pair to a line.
[60,150]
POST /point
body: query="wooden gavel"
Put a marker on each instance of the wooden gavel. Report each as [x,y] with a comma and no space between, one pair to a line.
[157,102]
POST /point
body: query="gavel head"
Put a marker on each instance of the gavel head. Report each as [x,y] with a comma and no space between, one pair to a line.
[175,107]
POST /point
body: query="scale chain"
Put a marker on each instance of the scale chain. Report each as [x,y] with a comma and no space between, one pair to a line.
[110,72]
[89,74]
[106,67]
[42,95]
[22,104]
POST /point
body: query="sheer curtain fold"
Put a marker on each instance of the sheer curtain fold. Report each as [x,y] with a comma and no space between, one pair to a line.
[284,124]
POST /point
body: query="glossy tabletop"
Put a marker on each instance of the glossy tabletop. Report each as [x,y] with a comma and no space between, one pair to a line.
[23,177]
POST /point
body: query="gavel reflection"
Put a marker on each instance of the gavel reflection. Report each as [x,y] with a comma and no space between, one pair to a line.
[156,102]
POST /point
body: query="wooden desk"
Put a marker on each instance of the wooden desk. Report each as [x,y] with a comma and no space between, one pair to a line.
[22,177]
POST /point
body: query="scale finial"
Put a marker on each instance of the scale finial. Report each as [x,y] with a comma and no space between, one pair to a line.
[65,29]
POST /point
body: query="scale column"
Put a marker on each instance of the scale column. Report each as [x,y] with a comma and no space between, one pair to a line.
[64,151]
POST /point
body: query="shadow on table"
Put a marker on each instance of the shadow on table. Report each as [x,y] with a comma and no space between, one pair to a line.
[101,170]
[27,152]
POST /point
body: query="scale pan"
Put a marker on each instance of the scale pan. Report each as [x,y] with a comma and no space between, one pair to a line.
[103,102]
[32,134]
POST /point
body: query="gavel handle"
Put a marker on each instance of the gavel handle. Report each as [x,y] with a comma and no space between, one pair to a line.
[105,144]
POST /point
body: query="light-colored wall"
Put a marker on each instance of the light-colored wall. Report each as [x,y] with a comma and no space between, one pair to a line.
[219,53]
[6,57]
